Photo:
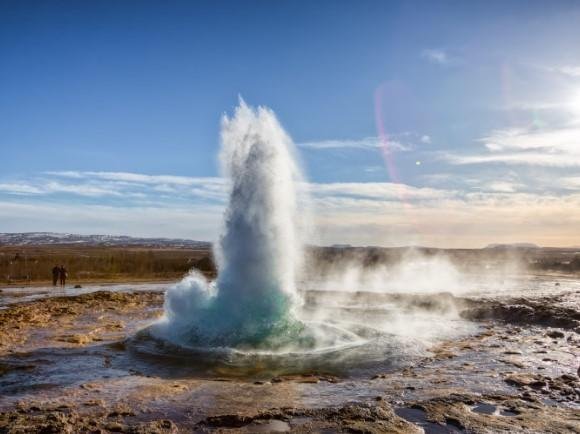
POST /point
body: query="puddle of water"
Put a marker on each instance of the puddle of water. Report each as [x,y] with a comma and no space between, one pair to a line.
[507,412]
[270,426]
[484,408]
[419,417]
[13,295]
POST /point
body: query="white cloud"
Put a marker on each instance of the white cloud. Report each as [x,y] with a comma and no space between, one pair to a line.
[570,71]
[425,139]
[42,188]
[120,184]
[550,147]
[570,183]
[380,191]
[376,213]
[81,190]
[531,159]
[97,184]
[565,139]
[436,56]
[365,143]
[502,186]
[437,178]
[139,178]
[473,220]
[374,169]
[19,188]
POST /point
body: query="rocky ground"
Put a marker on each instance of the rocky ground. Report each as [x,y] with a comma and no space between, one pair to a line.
[66,366]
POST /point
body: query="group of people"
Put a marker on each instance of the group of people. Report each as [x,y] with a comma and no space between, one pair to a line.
[59,275]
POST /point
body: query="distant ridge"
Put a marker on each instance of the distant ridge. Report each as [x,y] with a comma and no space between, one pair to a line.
[53,238]
[513,246]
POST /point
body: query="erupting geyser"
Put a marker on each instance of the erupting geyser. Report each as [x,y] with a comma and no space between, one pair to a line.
[253,308]
[252,302]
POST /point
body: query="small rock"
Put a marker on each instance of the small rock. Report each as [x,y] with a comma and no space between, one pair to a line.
[567,378]
[115,427]
[538,384]
[555,334]
[121,410]
[76,339]
[310,380]
[519,380]
[94,403]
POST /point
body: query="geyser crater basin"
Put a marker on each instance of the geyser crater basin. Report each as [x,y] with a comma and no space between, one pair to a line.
[252,314]
[356,336]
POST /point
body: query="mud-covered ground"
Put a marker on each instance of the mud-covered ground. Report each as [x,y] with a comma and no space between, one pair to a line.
[70,364]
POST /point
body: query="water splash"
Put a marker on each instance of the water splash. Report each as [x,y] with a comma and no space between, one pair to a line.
[252,303]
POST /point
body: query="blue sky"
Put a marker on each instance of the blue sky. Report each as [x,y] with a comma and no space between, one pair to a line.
[435,123]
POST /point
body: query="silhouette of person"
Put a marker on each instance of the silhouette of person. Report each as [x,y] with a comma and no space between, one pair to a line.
[55,274]
[63,275]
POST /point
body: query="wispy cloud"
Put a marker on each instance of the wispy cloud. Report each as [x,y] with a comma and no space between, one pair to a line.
[568,70]
[119,185]
[502,186]
[138,178]
[436,55]
[20,188]
[570,183]
[550,147]
[528,158]
[364,143]
[473,219]
[380,191]
[46,187]
[134,185]
[400,142]
[378,213]
[553,140]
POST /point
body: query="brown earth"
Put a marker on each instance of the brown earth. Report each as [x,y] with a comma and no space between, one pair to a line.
[26,265]
[515,375]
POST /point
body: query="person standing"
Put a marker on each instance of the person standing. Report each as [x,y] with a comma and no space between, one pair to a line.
[55,274]
[63,274]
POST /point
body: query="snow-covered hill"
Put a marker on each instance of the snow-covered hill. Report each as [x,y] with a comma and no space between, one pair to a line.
[52,238]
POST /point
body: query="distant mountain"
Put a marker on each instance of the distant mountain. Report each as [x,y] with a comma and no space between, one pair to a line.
[52,238]
[513,246]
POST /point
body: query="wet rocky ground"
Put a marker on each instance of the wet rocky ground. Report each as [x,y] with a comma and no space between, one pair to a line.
[67,364]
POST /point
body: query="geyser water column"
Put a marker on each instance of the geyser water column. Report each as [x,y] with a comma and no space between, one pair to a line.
[252,302]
